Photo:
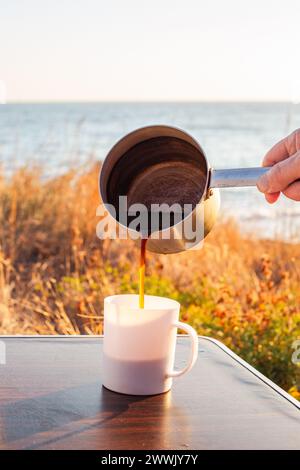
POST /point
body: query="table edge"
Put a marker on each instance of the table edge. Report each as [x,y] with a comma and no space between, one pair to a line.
[254,371]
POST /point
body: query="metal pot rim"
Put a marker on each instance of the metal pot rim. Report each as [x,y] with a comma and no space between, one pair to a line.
[139,135]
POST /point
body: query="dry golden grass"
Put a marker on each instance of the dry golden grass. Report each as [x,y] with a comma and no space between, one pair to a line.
[54,273]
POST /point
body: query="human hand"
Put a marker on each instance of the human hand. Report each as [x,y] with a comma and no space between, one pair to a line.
[283,177]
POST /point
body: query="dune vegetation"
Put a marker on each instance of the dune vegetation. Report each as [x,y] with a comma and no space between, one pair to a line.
[55,272]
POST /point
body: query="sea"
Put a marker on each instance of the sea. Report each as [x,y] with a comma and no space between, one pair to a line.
[57,136]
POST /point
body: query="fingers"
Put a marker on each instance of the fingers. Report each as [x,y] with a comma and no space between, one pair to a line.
[284,158]
[277,153]
[283,149]
[272,197]
[293,191]
[281,175]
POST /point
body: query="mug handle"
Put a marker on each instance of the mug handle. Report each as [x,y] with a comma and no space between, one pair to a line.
[193,352]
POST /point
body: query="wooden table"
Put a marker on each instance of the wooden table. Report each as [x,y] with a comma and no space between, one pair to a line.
[51,398]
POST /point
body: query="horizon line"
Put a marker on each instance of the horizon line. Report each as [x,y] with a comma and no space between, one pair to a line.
[175,101]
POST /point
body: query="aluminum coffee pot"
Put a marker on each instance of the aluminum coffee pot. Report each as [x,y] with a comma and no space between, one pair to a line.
[158,165]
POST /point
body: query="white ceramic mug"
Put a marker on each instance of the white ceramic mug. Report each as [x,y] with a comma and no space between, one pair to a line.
[139,344]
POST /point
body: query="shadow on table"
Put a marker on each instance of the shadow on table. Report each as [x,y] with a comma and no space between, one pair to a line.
[25,418]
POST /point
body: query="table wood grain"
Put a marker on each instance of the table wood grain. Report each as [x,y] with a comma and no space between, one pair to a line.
[51,397]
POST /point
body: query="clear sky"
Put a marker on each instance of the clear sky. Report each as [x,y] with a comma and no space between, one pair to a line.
[86,50]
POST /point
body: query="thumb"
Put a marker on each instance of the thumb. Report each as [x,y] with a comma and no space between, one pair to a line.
[281,175]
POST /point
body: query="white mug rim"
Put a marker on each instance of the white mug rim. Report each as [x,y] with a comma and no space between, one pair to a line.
[110,300]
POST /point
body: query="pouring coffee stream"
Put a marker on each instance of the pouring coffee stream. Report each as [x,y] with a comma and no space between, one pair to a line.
[142,273]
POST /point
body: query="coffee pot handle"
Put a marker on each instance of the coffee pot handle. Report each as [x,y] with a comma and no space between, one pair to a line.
[235,177]
[193,352]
